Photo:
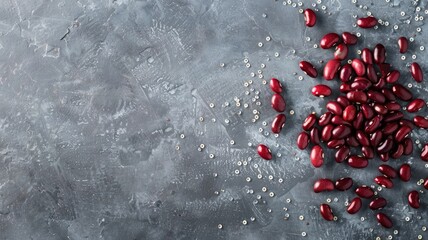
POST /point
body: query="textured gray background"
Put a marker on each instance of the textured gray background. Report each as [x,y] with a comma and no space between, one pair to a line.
[96,95]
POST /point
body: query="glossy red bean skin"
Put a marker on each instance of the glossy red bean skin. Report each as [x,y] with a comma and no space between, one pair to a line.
[358,162]
[384,220]
[329,40]
[343,101]
[381,109]
[367,56]
[393,76]
[403,44]
[388,171]
[349,38]
[334,107]
[424,153]
[398,151]
[367,22]
[309,122]
[367,152]
[393,106]
[346,73]
[354,206]
[392,117]
[344,88]
[344,184]
[275,85]
[278,123]
[389,95]
[415,105]
[408,146]
[357,96]
[338,120]
[264,152]
[384,157]
[413,199]
[359,67]
[352,141]
[308,69]
[416,72]
[341,51]
[364,192]
[315,136]
[349,113]
[323,184]
[402,133]
[326,132]
[326,212]
[371,73]
[426,183]
[384,181]
[335,143]
[317,156]
[341,154]
[361,83]
[376,138]
[405,172]
[373,125]
[401,92]
[380,83]
[386,145]
[358,121]
[390,128]
[325,119]
[379,53]
[341,132]
[330,69]
[405,122]
[368,111]
[362,138]
[278,103]
[302,140]
[310,17]
[377,203]
[321,90]
[420,122]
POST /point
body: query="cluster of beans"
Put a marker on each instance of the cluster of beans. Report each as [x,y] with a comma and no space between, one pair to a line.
[366,119]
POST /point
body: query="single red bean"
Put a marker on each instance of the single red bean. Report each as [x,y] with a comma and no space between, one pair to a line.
[408,146]
[338,120]
[325,119]
[398,151]
[371,73]
[420,121]
[367,56]
[329,40]
[393,106]
[354,206]
[389,95]
[373,125]
[384,157]
[401,92]
[341,131]
[302,140]
[367,152]
[426,183]
[323,184]
[344,88]
[309,122]
[403,44]
[326,212]
[375,138]
[334,107]
[360,83]
[341,154]
[275,85]
[317,156]
[349,38]
[359,67]
[278,103]
[344,184]
[392,117]
[380,83]
[308,69]
[416,72]
[384,181]
[393,76]
[362,138]
[331,68]
[377,203]
[264,152]
[310,17]
[364,192]
[358,162]
[384,220]
[315,136]
[346,73]
[402,133]
[326,132]
[358,121]
[368,111]
[335,143]
[379,53]
[388,171]
[357,96]
[381,109]
[384,69]
[390,128]
[413,199]
[352,141]
[321,90]
[386,145]
[415,105]
[405,122]
[349,113]
[405,172]
[367,22]
[424,153]
[278,123]
[343,101]
[341,51]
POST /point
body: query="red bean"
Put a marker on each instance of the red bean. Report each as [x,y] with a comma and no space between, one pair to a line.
[424,153]
[343,101]
[413,199]
[375,138]
[349,38]
[335,143]
[393,106]
[354,206]
[402,133]
[308,69]
[384,69]
[352,141]
[408,146]
[420,121]
[358,121]
[394,116]
[368,111]
[384,181]
[384,220]
[393,76]
[381,109]
[384,157]
[373,125]
[275,85]
[309,122]
[315,136]
[417,72]
[387,170]
[338,120]
[278,103]
[403,44]
[380,84]
[344,88]
[325,119]
[349,113]
[334,107]
[341,131]
[379,53]
[367,152]
[341,51]
[405,172]
[359,67]
[264,152]
[415,105]
[426,183]
[360,83]
[407,123]
[358,162]
[371,73]
[302,140]
[390,128]
[367,22]
[364,192]
[326,212]
[386,145]
[401,92]
[317,156]
[331,68]
[323,184]
[357,96]
[389,95]
[310,17]
[377,203]
[278,123]
[326,132]
[398,151]
[367,56]
[344,184]
[321,90]
[346,73]
[362,138]
[341,154]
[329,40]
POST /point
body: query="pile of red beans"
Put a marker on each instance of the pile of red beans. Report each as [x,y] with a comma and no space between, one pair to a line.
[366,119]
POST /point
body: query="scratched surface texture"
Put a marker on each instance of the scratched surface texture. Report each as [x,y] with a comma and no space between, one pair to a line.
[105,104]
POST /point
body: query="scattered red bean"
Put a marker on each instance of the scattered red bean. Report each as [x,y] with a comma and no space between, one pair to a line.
[326,132]
[388,171]
[367,22]
[341,154]
[404,172]
[384,220]
[403,44]
[278,103]
[344,184]
[415,105]
[325,119]
[354,206]
[408,146]
[321,90]
[378,203]
[367,56]
[278,123]
[426,183]
[349,38]
[275,85]
[341,51]
[358,162]
[310,17]
[309,122]
[323,184]
[384,181]
[326,212]
[379,53]
[334,107]
[331,68]
[317,156]
[393,76]
[359,67]
[346,73]
[416,72]
[264,152]
[329,40]
[424,153]
[349,113]
[364,192]
[413,199]
[302,140]
[308,69]
[420,121]
[401,92]
[315,136]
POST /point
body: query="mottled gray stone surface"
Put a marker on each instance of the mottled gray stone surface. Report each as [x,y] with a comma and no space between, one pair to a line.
[96,94]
